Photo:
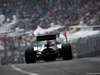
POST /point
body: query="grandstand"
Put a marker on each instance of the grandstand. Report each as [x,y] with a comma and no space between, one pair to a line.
[44,12]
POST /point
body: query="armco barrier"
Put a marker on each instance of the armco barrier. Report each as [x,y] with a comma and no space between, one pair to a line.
[87,47]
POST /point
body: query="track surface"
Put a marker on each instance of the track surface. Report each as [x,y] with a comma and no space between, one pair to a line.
[85,66]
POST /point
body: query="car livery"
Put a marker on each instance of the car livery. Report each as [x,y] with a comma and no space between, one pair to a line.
[48,51]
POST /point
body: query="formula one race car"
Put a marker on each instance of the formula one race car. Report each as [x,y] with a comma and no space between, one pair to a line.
[48,51]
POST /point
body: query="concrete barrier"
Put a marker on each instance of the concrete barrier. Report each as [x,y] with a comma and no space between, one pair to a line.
[89,54]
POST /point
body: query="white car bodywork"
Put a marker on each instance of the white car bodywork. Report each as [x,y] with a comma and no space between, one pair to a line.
[53,46]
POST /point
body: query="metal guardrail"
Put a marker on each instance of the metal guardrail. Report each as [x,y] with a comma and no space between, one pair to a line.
[87,45]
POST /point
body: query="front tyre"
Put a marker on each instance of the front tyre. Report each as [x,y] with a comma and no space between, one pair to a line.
[66,52]
[30,55]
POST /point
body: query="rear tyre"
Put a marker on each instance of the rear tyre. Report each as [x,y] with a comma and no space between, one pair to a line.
[30,55]
[66,52]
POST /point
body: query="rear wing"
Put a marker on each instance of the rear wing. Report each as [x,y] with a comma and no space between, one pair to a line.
[46,37]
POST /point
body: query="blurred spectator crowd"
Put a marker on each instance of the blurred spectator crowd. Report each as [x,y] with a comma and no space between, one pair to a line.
[45,12]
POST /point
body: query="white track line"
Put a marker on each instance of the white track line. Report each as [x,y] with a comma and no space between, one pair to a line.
[22,71]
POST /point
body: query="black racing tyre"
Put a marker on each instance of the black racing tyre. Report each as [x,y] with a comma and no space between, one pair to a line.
[30,55]
[66,52]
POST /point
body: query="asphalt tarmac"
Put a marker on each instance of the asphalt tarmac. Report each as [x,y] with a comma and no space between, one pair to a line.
[85,66]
